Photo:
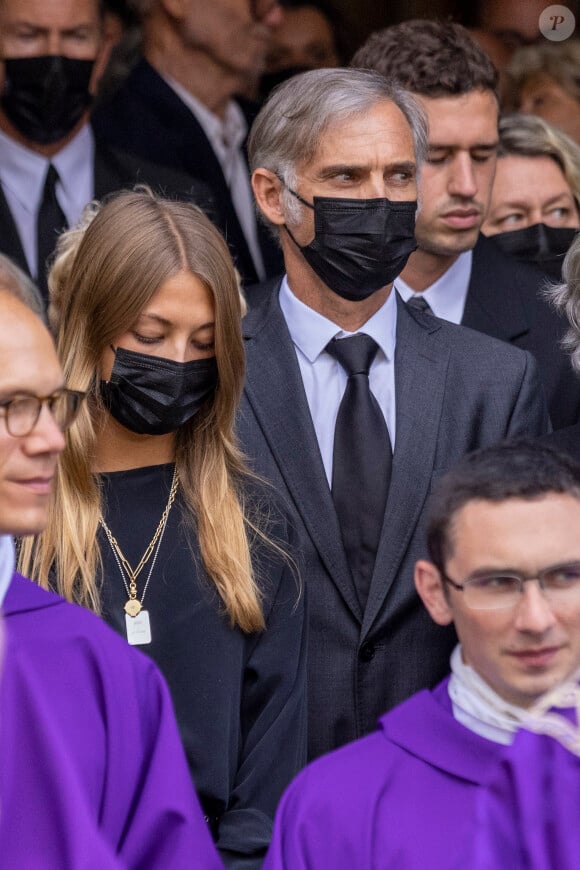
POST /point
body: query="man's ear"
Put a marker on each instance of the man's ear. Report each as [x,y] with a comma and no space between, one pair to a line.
[429,586]
[267,189]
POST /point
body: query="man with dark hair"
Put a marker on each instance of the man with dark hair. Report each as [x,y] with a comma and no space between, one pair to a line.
[53,54]
[353,402]
[461,275]
[504,543]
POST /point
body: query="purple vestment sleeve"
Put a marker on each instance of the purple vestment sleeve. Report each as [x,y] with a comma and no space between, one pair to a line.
[527,816]
[403,797]
[92,771]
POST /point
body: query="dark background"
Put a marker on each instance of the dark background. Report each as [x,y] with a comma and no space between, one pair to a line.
[362,17]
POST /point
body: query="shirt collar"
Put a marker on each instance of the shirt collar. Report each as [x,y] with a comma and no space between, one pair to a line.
[71,160]
[7,563]
[23,171]
[311,331]
[229,133]
[447,294]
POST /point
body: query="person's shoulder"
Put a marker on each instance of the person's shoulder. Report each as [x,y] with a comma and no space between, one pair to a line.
[471,343]
[41,620]
[488,257]
[116,168]
[366,759]
[566,440]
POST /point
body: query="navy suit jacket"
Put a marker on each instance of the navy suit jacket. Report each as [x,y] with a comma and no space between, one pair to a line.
[456,390]
[504,300]
[146,117]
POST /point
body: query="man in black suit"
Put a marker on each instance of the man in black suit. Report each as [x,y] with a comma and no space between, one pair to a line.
[178,107]
[53,56]
[339,370]
[463,276]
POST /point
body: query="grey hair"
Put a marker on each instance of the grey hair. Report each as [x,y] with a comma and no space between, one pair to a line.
[531,136]
[289,126]
[16,282]
[565,298]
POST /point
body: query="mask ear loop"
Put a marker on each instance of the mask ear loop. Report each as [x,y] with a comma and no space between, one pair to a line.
[303,201]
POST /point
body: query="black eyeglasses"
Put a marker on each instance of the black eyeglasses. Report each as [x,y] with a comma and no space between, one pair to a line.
[22,412]
[494,591]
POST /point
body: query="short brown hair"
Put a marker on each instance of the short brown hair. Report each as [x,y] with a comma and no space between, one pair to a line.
[431,58]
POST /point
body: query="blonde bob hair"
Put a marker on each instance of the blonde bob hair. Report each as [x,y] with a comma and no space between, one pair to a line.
[105,272]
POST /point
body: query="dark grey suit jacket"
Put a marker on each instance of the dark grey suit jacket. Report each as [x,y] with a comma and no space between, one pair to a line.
[456,390]
[504,300]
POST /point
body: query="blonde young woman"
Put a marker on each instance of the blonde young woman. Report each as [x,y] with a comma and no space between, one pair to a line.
[156,523]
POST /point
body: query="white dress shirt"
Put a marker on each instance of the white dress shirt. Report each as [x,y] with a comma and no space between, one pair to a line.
[325,379]
[447,295]
[23,174]
[226,138]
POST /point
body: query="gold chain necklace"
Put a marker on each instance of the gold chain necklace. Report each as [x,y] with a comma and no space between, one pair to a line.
[133,606]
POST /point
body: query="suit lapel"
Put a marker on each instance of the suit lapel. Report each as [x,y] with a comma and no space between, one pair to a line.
[491,306]
[276,394]
[420,372]
[10,243]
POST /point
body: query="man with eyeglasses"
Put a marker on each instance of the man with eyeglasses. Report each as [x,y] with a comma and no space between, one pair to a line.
[92,772]
[424,789]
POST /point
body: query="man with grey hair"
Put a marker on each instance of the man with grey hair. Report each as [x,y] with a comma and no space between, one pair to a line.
[179,107]
[353,402]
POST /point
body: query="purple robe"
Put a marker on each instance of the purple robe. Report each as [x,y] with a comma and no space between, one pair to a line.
[527,817]
[404,797]
[92,771]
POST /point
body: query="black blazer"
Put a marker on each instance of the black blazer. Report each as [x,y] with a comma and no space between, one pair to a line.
[146,117]
[504,300]
[456,390]
[113,171]
[567,440]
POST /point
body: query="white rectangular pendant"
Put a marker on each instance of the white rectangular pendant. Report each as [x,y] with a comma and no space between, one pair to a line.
[138,628]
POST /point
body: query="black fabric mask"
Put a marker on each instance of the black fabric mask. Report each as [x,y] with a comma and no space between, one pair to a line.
[44,97]
[541,245]
[153,396]
[359,245]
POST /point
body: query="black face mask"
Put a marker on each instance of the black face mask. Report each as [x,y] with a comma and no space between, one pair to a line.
[45,97]
[153,396]
[543,246]
[359,245]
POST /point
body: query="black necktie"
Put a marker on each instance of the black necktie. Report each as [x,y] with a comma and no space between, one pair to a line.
[362,460]
[50,222]
[420,304]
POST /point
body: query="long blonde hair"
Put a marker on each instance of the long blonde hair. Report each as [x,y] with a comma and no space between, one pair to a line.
[105,273]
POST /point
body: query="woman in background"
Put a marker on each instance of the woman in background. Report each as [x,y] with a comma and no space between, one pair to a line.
[534,208]
[156,522]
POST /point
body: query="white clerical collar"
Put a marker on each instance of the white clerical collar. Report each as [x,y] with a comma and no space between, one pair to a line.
[448,294]
[311,331]
[477,706]
[7,563]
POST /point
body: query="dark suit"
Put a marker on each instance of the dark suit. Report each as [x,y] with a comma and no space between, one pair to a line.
[115,170]
[146,117]
[566,440]
[504,300]
[455,390]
